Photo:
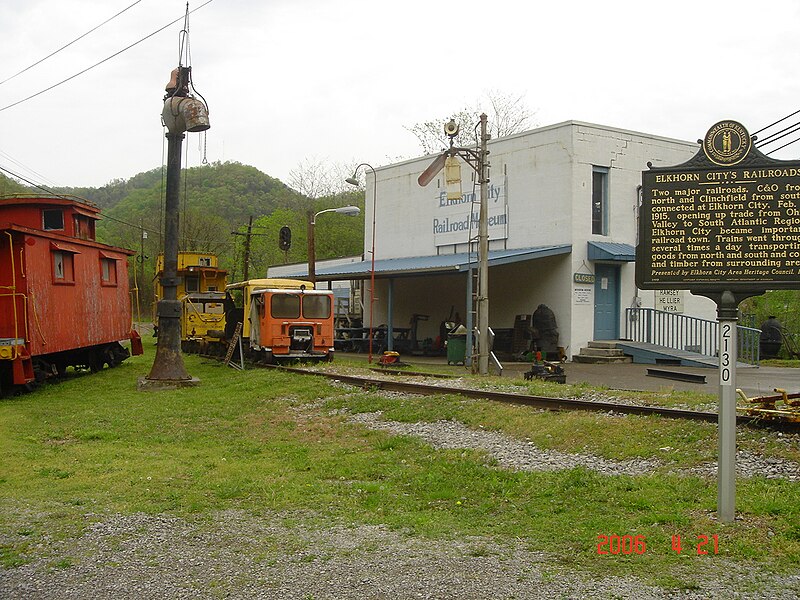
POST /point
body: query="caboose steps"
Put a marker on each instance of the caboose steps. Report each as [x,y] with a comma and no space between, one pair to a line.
[601,352]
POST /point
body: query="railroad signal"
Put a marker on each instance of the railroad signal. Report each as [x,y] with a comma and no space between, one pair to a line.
[285,238]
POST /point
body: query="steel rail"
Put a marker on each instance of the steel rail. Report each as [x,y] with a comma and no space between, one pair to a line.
[559,404]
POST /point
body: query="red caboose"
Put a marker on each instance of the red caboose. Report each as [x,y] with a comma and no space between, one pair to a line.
[64,297]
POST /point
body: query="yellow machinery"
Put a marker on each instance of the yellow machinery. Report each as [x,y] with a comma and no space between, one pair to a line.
[201,290]
[781,407]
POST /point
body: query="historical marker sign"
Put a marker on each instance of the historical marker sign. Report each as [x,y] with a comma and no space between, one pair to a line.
[728,219]
[725,224]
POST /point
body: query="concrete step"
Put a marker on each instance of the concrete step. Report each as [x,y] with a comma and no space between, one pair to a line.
[602,352]
[589,359]
[609,352]
[611,344]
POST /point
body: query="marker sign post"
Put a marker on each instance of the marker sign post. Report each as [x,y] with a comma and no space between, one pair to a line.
[726,225]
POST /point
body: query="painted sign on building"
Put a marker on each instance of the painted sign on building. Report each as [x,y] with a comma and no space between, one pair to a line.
[455,220]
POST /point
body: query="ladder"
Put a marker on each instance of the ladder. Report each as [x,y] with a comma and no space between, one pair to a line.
[236,339]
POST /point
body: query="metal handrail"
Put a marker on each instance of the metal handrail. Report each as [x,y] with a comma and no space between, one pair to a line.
[683,332]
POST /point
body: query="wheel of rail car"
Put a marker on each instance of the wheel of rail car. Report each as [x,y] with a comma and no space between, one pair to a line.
[109,358]
[40,370]
[95,361]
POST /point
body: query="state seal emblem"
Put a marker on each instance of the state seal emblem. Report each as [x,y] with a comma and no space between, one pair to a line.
[726,143]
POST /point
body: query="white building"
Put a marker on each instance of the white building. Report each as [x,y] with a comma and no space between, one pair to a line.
[562,230]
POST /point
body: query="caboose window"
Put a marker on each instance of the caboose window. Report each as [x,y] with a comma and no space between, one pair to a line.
[63,267]
[53,218]
[108,271]
[84,228]
[285,306]
[316,307]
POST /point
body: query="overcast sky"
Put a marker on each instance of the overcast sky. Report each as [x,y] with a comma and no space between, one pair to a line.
[340,80]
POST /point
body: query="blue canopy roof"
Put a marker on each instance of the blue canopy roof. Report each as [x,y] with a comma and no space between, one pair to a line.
[611,251]
[426,265]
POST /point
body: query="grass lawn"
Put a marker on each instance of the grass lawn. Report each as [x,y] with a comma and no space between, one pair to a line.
[266,441]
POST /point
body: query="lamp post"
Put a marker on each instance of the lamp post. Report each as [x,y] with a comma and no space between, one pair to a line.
[350,211]
[353,181]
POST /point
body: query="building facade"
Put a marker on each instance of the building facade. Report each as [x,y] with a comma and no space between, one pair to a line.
[562,215]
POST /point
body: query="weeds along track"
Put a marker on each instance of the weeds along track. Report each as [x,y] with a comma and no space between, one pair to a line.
[542,402]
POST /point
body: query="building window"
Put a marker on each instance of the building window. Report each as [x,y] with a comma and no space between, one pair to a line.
[600,200]
[53,219]
[63,267]
[108,271]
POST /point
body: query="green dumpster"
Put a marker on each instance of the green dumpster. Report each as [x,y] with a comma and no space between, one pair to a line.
[456,348]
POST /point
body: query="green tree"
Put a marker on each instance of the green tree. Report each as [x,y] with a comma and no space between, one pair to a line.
[9,187]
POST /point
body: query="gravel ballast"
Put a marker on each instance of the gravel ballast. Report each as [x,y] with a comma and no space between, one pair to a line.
[233,554]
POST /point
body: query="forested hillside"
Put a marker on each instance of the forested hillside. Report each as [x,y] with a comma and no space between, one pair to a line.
[217,200]
[9,186]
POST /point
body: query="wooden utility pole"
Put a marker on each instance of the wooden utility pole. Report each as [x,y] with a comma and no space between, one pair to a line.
[247,249]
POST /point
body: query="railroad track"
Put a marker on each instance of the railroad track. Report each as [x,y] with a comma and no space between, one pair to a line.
[561,404]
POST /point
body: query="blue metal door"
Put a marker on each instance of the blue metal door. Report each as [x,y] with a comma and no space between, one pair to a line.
[606,302]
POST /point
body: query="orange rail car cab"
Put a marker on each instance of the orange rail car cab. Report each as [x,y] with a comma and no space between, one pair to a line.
[292,324]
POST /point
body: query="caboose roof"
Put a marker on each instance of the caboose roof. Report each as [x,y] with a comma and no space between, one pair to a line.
[80,205]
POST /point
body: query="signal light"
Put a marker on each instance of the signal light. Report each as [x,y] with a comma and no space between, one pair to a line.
[285,238]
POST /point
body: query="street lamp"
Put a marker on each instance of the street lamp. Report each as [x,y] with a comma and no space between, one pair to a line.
[349,211]
[354,181]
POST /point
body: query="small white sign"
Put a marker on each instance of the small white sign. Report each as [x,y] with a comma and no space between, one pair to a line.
[583,295]
[669,301]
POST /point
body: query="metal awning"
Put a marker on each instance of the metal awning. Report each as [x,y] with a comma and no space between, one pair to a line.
[611,251]
[426,265]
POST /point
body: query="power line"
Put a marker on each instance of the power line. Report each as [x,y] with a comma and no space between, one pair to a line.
[774,137]
[57,195]
[776,122]
[784,146]
[36,185]
[55,85]
[41,60]
[25,167]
